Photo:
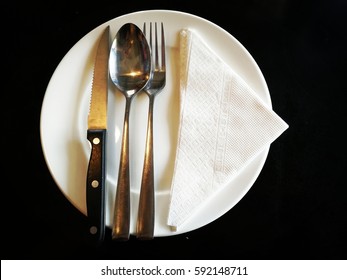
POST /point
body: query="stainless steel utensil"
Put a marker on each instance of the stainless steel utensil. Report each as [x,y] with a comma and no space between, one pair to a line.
[130,69]
[146,211]
[96,134]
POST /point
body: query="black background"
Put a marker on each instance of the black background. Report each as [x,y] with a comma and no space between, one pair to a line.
[297,207]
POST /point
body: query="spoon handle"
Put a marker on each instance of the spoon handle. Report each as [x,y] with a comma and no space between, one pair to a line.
[145,218]
[121,223]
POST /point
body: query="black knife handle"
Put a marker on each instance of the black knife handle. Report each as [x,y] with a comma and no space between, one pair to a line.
[96,180]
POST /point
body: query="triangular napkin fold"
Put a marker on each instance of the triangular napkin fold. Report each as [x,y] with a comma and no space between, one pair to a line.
[223,126]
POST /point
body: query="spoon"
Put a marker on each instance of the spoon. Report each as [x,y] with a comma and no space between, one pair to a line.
[130,70]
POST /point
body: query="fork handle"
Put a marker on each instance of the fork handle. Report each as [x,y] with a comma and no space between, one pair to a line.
[145,218]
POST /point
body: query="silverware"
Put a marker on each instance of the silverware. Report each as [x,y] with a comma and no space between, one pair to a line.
[130,69]
[146,211]
[96,134]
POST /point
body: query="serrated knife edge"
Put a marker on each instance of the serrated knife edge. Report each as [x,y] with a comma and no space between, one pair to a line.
[97,117]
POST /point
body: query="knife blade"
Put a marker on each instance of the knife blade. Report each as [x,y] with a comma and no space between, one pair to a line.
[96,135]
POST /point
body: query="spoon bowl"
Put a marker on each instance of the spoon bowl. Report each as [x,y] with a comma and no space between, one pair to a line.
[130,70]
[129,62]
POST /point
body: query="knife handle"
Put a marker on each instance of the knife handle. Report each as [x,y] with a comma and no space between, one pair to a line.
[95,186]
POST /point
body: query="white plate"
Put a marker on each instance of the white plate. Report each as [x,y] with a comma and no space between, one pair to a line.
[64,121]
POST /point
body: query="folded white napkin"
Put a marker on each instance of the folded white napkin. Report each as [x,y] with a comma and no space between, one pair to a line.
[223,126]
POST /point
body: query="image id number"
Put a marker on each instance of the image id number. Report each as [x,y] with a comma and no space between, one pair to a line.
[226,270]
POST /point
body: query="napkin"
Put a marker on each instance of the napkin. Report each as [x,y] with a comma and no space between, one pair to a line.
[223,126]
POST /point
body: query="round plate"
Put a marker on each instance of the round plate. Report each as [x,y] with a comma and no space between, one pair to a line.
[65,109]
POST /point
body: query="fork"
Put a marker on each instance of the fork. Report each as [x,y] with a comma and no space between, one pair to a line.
[146,211]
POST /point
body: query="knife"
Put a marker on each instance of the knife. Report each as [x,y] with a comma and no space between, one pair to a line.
[96,135]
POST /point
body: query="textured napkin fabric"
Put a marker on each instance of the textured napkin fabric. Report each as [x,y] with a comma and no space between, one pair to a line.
[223,126]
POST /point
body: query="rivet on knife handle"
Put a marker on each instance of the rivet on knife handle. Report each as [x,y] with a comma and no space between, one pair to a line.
[96,185]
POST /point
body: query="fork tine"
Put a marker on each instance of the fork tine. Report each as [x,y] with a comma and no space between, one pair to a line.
[150,36]
[163,64]
[150,40]
[156,48]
